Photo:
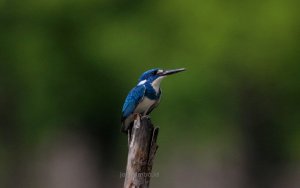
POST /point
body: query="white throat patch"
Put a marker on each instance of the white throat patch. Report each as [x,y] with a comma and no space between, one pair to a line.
[156,83]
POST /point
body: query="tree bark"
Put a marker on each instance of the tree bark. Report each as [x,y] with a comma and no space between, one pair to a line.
[142,149]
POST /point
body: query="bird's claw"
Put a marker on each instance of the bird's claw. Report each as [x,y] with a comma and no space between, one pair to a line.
[146,116]
[137,115]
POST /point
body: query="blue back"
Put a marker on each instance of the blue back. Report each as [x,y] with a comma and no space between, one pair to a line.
[132,100]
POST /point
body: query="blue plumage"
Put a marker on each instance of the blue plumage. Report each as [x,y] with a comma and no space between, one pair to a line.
[132,100]
[143,98]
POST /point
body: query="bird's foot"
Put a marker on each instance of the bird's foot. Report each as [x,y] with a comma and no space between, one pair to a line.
[147,116]
[138,115]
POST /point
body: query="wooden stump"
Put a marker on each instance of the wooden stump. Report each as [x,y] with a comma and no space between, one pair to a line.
[142,148]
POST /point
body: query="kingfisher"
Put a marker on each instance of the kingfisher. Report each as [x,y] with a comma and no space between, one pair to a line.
[144,97]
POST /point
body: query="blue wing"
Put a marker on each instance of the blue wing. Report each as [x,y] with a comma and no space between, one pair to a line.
[132,100]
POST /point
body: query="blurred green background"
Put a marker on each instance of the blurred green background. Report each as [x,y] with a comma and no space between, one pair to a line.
[230,121]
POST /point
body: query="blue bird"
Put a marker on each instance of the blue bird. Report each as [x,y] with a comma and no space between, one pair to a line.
[144,97]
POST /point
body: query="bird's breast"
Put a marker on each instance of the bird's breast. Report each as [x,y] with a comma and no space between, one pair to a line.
[144,105]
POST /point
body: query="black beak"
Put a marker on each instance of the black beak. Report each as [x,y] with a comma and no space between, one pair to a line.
[169,72]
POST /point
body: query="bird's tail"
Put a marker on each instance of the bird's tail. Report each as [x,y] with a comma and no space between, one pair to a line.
[124,129]
[126,125]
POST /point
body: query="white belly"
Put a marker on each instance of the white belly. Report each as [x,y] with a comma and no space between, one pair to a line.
[144,105]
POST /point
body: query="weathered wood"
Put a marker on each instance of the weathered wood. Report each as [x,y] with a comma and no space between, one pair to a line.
[142,148]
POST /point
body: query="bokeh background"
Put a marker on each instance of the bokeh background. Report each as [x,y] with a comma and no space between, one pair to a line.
[230,121]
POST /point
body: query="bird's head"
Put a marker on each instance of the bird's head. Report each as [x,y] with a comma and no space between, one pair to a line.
[154,76]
